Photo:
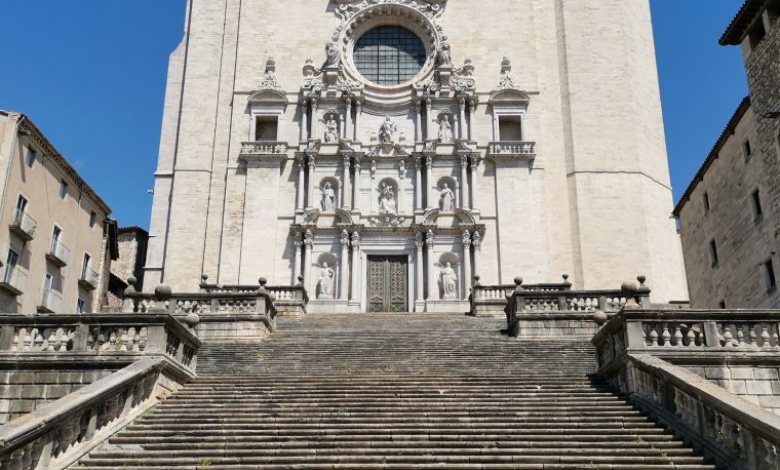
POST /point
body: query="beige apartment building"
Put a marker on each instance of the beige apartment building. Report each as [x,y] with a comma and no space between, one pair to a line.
[730,215]
[54,245]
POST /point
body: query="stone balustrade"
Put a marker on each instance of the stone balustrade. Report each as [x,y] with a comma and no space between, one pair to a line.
[264,148]
[567,312]
[492,299]
[288,300]
[668,333]
[99,334]
[56,435]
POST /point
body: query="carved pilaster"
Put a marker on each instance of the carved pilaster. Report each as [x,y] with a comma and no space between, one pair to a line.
[344,281]
[419,241]
[466,240]
[356,271]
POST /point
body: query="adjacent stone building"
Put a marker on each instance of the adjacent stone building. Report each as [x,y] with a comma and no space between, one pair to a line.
[389,150]
[56,248]
[131,246]
[730,215]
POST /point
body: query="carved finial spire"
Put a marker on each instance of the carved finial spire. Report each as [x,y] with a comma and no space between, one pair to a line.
[269,78]
[506,80]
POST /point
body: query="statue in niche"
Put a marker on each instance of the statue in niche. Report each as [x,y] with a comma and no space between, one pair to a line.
[331,130]
[449,281]
[332,55]
[387,199]
[387,131]
[327,275]
[445,54]
[445,130]
[447,199]
[328,197]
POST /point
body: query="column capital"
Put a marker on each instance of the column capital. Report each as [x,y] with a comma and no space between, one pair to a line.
[308,239]
[429,238]
[356,239]
[477,241]
[344,239]
[419,240]
[298,239]
[464,161]
[466,239]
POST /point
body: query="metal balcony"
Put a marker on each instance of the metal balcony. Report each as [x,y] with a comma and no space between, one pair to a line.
[51,302]
[13,280]
[88,279]
[58,254]
[23,225]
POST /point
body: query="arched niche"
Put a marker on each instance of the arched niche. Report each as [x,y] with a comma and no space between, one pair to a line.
[444,123]
[448,190]
[326,276]
[329,194]
[387,194]
[449,276]
[331,126]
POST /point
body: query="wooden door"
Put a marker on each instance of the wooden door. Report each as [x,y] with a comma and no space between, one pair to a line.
[387,284]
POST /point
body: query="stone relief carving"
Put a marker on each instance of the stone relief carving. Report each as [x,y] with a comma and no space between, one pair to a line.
[387,131]
[332,55]
[446,199]
[388,220]
[326,282]
[445,129]
[328,197]
[348,8]
[312,77]
[506,81]
[331,130]
[444,56]
[449,282]
[269,78]
[387,202]
[463,78]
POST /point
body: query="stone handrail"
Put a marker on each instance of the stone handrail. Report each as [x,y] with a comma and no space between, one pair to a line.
[736,433]
[282,296]
[99,334]
[58,434]
[254,302]
[671,332]
[264,148]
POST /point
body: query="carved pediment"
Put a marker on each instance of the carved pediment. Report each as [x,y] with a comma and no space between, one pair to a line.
[509,96]
[268,95]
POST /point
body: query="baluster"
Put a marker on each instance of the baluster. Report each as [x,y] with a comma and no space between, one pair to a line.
[112,340]
[666,336]
[38,341]
[678,336]
[776,335]
[691,338]
[50,342]
[753,336]
[727,337]
[740,335]
[765,338]
[653,335]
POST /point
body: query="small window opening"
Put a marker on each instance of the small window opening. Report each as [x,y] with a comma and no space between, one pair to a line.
[266,128]
[747,149]
[510,128]
[31,156]
[21,203]
[63,189]
[757,33]
[81,305]
[706,201]
[713,253]
[85,266]
[758,211]
[92,219]
[722,305]
[769,275]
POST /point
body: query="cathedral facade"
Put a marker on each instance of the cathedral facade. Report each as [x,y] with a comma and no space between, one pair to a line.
[386,152]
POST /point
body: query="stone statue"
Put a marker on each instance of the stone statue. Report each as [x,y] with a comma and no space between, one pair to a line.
[449,281]
[387,199]
[387,131]
[445,130]
[328,197]
[327,274]
[447,199]
[445,55]
[331,130]
[332,55]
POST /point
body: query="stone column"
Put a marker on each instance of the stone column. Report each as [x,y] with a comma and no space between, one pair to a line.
[305,121]
[358,112]
[356,186]
[418,123]
[347,119]
[428,178]
[315,128]
[312,166]
[344,281]
[420,241]
[463,132]
[356,272]
[308,242]
[427,115]
[301,183]
[474,165]
[433,287]
[476,241]
[467,277]
[418,199]
[472,112]
[346,192]
[298,244]
[464,185]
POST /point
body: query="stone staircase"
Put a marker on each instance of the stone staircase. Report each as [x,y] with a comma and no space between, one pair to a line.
[395,392]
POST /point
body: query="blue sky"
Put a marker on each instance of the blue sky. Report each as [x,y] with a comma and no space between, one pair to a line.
[91,74]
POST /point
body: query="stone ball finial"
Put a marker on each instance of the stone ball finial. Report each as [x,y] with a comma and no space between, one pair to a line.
[132,281]
[518,281]
[565,278]
[191,319]
[163,292]
[300,280]
[204,277]
[641,278]
[629,288]
[600,317]
[263,281]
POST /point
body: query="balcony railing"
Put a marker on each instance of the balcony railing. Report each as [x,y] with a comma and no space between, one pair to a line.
[512,149]
[58,254]
[88,279]
[51,302]
[23,225]
[13,280]
[263,148]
